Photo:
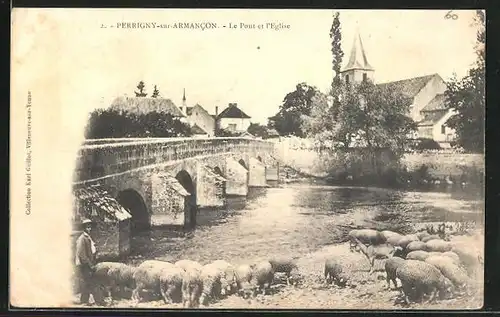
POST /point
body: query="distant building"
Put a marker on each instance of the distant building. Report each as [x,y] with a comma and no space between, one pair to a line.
[202,123]
[142,105]
[233,119]
[427,92]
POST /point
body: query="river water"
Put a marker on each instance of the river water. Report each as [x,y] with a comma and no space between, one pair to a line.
[299,219]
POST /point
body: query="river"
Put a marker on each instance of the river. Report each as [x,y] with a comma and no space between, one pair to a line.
[299,219]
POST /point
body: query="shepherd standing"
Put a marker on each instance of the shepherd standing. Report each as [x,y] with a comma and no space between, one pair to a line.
[85,261]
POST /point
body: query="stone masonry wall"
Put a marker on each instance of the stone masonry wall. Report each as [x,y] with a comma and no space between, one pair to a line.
[257,173]
[167,203]
[210,190]
[237,178]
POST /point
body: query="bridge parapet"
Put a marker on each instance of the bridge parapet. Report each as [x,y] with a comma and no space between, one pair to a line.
[97,158]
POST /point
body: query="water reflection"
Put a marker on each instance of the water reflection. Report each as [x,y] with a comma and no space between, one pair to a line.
[298,219]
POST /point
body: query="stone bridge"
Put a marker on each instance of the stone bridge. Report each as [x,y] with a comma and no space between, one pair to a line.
[164,181]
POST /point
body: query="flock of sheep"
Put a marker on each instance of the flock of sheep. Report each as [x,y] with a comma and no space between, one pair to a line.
[424,263]
[191,282]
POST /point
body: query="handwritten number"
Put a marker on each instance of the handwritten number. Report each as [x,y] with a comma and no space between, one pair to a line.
[451,15]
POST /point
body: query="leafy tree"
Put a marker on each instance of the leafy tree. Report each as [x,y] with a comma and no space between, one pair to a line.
[258,130]
[156,93]
[376,116]
[112,123]
[467,97]
[295,104]
[338,54]
[368,116]
[320,124]
[141,92]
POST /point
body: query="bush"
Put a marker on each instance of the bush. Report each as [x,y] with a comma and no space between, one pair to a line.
[427,144]
[112,123]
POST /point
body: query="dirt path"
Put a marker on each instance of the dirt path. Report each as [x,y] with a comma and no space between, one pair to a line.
[371,291]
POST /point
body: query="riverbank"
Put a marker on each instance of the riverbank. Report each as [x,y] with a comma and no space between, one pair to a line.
[370,292]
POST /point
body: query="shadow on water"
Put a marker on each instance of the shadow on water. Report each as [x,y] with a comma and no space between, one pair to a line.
[298,219]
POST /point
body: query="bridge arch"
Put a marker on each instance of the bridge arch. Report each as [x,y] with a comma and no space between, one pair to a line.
[190,204]
[134,203]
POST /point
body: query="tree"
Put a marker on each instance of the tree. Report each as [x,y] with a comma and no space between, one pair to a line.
[111,123]
[288,120]
[338,54]
[375,116]
[368,116]
[467,98]
[156,93]
[141,92]
[321,124]
[258,130]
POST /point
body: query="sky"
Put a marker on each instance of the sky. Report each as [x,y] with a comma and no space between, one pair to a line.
[254,68]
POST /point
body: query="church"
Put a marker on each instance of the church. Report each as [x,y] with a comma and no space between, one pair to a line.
[428,108]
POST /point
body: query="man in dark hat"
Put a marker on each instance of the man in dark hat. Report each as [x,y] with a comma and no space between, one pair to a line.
[85,261]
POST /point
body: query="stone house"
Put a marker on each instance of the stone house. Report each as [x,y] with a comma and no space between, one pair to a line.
[202,123]
[233,119]
[111,231]
[428,108]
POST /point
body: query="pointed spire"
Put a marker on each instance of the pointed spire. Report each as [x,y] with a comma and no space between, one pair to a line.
[358,59]
[184,95]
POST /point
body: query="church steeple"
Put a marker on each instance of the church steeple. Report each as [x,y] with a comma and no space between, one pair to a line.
[358,68]
[183,107]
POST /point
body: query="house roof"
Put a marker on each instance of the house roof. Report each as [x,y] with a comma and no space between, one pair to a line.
[357,59]
[437,103]
[200,109]
[247,134]
[105,205]
[409,87]
[432,117]
[146,104]
[232,111]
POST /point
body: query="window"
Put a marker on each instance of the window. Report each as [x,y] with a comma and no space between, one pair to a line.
[231,126]
[443,129]
[364,77]
[347,79]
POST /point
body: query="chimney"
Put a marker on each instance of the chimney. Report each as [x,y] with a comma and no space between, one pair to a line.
[216,111]
[233,104]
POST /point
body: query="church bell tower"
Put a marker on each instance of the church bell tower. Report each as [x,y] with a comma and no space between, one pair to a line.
[357,69]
